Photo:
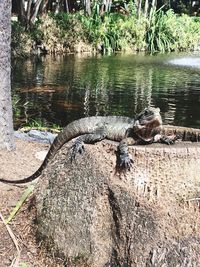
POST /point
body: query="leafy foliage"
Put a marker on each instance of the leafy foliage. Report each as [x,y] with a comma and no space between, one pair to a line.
[21,42]
[157,31]
[168,32]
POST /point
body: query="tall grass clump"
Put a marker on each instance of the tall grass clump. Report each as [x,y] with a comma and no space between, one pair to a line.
[103,31]
[169,32]
[111,32]
[161,31]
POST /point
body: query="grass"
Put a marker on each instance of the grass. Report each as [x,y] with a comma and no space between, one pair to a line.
[168,32]
[39,125]
[19,204]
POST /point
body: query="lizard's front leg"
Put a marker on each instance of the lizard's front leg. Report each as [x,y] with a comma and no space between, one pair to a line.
[78,146]
[123,159]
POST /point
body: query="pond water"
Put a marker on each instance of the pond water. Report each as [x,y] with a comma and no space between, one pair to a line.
[57,90]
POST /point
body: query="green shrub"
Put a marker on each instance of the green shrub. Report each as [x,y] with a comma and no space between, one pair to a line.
[159,36]
[134,32]
[36,33]
[53,41]
[21,42]
[187,33]
[72,31]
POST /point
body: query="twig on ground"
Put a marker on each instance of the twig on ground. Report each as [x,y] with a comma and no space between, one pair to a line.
[15,262]
[19,204]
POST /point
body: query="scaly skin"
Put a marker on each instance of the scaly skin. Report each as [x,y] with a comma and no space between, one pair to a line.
[181,133]
[144,128]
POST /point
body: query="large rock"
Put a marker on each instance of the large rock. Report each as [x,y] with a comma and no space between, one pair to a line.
[89,213]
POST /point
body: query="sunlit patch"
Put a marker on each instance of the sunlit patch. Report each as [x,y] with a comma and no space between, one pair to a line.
[186,61]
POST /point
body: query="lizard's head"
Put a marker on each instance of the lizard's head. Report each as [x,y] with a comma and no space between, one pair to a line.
[149,116]
[148,123]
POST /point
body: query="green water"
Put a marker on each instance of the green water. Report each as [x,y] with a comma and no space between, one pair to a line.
[57,90]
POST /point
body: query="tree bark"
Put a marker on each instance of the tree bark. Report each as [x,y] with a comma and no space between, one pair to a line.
[6,120]
[89,213]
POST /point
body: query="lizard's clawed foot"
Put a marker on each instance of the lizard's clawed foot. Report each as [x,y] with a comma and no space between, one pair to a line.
[124,162]
[77,147]
[169,140]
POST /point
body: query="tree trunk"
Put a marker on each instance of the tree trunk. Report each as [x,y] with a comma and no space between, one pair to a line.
[88,7]
[102,10]
[6,120]
[88,213]
[45,6]
[138,4]
[67,6]
[35,11]
[154,4]
[108,5]
[21,12]
[28,13]
[146,7]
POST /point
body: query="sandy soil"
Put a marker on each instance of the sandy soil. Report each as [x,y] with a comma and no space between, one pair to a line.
[16,165]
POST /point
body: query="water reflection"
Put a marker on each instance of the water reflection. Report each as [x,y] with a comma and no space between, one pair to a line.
[61,89]
[186,61]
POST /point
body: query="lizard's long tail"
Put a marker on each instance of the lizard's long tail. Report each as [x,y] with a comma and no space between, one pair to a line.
[182,133]
[52,151]
[72,130]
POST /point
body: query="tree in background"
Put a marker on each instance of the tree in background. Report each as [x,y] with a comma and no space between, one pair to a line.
[6,120]
[182,6]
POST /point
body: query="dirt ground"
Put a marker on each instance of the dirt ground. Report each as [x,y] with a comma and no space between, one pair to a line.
[16,165]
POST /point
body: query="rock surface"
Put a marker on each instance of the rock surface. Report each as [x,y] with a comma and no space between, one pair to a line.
[36,135]
[150,216]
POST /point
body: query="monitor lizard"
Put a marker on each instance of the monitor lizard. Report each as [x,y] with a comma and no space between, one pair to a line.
[144,128]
